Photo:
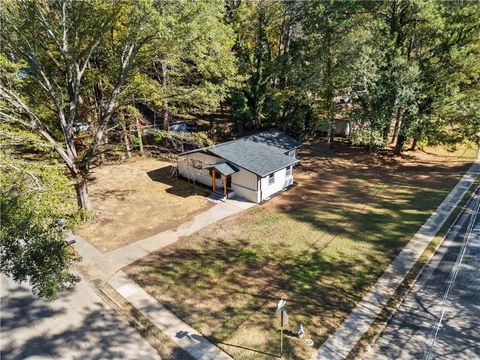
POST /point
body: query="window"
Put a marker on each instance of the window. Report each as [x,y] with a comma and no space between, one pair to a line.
[197,164]
[289,171]
[271,179]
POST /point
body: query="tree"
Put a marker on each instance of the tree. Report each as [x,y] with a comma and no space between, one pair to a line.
[36,212]
[428,73]
[56,42]
[364,82]
[449,111]
[191,67]
[256,25]
[327,25]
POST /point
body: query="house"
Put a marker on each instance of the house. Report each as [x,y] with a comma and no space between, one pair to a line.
[253,167]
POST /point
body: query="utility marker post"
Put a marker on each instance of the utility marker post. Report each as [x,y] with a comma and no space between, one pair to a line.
[281,314]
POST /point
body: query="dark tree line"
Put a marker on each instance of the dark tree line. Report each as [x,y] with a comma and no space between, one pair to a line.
[408,69]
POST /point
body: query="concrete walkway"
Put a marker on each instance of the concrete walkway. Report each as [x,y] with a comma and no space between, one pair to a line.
[107,267]
[339,344]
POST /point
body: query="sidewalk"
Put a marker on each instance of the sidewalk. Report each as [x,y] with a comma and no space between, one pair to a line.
[339,344]
[107,267]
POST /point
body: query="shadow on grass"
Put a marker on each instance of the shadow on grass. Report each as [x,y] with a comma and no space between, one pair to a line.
[370,195]
[177,186]
[222,285]
[249,349]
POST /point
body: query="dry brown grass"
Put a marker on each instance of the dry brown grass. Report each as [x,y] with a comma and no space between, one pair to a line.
[137,199]
[320,245]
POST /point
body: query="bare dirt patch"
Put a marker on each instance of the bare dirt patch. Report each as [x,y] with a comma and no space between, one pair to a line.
[137,199]
[320,245]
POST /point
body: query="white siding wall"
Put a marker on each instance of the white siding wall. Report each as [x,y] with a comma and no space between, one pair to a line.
[278,185]
[245,178]
[186,168]
[250,195]
[244,184]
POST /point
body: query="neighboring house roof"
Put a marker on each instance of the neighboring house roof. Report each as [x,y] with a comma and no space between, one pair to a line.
[261,153]
[223,168]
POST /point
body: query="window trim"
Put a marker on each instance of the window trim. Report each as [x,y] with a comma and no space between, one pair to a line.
[288,171]
[271,179]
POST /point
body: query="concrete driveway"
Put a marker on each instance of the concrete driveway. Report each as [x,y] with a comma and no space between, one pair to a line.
[440,319]
[75,326]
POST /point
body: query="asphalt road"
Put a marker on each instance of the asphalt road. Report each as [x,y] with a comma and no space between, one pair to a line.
[78,325]
[440,319]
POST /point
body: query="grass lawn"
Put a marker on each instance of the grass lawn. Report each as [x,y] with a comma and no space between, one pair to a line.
[137,199]
[320,246]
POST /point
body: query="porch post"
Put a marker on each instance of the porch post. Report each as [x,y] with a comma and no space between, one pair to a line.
[214,185]
[225,186]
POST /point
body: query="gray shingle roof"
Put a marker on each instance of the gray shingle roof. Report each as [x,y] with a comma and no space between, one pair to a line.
[223,168]
[261,153]
[274,139]
[252,156]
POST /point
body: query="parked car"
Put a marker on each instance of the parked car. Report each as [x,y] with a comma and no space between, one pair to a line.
[79,127]
[178,126]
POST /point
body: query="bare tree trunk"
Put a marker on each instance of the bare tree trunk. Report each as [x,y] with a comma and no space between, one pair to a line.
[140,134]
[331,135]
[166,124]
[398,122]
[83,199]
[329,100]
[126,140]
[102,153]
[400,142]
[414,144]
[416,138]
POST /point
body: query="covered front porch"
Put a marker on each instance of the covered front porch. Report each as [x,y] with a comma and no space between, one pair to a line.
[221,174]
